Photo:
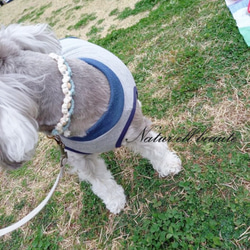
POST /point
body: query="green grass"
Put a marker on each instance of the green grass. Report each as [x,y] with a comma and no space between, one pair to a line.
[85,19]
[114,12]
[93,33]
[34,14]
[70,12]
[191,68]
[141,6]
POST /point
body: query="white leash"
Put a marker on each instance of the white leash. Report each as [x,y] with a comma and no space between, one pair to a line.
[35,211]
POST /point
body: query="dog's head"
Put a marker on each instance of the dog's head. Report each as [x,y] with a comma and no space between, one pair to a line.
[18,127]
[38,38]
[16,38]
[18,105]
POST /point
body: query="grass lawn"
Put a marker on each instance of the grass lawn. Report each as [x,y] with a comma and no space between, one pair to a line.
[191,68]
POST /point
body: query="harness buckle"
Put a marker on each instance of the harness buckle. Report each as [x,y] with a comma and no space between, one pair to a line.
[64,155]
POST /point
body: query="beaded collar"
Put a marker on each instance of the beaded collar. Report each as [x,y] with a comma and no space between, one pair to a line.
[68,88]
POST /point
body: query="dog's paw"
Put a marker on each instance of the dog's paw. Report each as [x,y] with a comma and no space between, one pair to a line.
[116,200]
[170,165]
[116,206]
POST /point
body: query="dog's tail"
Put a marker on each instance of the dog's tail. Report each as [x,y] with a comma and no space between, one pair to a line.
[39,38]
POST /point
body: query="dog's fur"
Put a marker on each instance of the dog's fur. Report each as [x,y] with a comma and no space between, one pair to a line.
[31,100]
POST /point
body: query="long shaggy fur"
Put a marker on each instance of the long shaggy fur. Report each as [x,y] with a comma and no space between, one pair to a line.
[18,125]
[31,100]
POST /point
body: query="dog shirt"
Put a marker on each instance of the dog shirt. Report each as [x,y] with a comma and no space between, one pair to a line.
[109,131]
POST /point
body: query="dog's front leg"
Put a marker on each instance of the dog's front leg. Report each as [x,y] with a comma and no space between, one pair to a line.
[92,168]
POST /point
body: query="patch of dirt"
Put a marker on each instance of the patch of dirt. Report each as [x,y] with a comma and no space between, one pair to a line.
[64,14]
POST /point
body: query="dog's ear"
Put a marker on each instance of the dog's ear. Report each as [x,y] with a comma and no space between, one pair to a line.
[39,38]
[18,127]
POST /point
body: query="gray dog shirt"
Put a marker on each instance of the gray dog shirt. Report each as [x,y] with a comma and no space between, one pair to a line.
[109,131]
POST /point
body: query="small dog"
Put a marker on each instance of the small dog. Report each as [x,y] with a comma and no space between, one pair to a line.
[79,91]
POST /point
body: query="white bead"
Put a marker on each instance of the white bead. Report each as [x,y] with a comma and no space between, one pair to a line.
[66,79]
[65,91]
[59,127]
[65,105]
[67,99]
[65,110]
[63,121]
[64,86]
[67,133]
[60,60]
[53,56]
[62,68]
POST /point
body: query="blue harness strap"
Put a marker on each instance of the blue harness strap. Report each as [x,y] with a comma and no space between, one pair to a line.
[125,129]
[115,108]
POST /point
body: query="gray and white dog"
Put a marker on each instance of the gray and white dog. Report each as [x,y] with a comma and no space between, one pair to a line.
[81,92]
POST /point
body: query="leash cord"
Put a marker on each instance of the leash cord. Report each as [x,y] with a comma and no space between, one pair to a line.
[35,211]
